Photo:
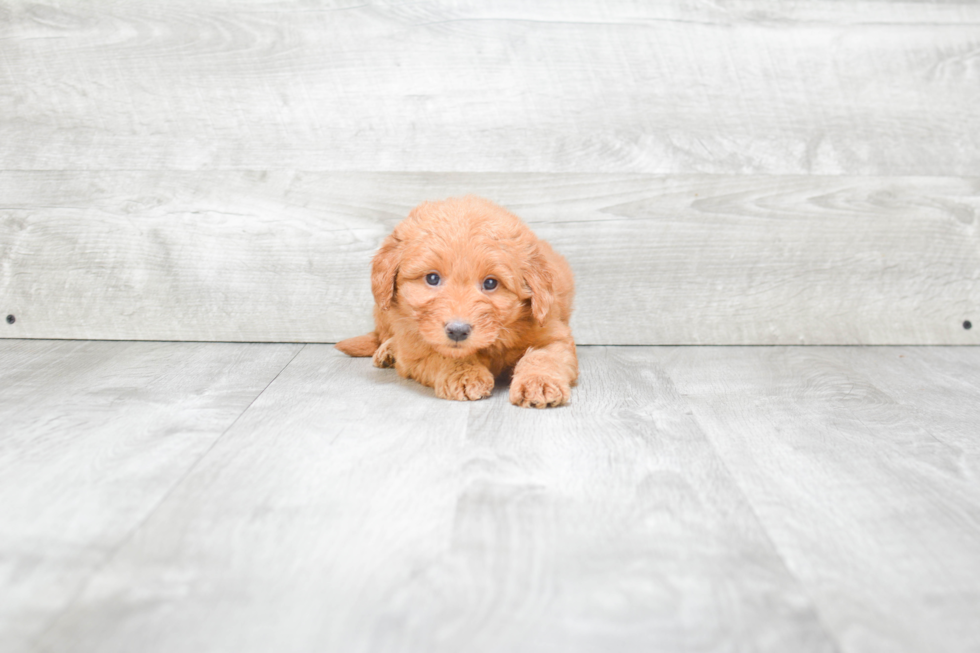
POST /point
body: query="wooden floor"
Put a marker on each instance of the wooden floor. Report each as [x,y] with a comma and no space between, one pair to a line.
[259,497]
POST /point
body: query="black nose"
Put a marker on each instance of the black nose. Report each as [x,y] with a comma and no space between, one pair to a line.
[458,331]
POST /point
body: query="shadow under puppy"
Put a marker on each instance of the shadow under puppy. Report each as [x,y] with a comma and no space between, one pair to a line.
[465,292]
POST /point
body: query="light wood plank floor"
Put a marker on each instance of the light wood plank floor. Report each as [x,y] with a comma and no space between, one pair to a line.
[257,497]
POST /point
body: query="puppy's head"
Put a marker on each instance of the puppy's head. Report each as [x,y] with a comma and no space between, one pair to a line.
[465,272]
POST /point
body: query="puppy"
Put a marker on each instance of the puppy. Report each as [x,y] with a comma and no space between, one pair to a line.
[465,293]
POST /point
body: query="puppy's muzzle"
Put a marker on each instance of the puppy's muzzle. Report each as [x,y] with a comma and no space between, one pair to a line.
[458,331]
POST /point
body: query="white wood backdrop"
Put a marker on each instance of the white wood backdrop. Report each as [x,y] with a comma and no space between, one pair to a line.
[748,172]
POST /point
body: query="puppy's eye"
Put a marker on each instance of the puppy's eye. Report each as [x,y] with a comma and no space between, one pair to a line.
[432,279]
[489,283]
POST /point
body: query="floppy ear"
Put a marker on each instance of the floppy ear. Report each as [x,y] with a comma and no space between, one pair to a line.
[539,279]
[384,269]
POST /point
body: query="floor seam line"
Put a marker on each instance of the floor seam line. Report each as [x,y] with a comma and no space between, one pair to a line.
[35,641]
[804,589]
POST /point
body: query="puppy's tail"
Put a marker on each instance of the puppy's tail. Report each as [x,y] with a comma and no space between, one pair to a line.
[360,346]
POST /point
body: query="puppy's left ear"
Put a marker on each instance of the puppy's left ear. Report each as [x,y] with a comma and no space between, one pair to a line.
[384,270]
[539,277]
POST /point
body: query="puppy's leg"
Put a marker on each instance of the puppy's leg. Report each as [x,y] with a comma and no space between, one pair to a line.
[461,380]
[544,376]
[384,356]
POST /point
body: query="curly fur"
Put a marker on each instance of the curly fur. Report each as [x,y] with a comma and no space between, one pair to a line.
[519,327]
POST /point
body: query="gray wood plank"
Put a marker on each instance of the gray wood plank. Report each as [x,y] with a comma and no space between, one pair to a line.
[349,510]
[92,437]
[939,385]
[610,526]
[873,509]
[700,259]
[761,86]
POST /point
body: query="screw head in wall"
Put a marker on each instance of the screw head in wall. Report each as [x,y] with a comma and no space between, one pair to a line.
[11,319]
[967,325]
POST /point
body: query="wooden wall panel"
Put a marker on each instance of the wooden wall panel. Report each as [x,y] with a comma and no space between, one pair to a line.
[751,86]
[686,259]
[224,170]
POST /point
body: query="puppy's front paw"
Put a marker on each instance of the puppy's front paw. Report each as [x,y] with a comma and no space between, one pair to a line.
[384,356]
[466,383]
[537,391]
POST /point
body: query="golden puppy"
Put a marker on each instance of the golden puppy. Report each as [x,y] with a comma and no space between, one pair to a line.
[464,292]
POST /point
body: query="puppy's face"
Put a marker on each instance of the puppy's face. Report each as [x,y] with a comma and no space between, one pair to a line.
[460,300]
[458,270]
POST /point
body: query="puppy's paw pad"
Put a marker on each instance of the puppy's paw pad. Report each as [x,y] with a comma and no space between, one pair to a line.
[385,355]
[534,391]
[466,384]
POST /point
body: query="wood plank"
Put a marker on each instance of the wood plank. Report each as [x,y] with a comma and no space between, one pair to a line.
[941,387]
[761,86]
[872,509]
[94,435]
[350,510]
[609,526]
[698,259]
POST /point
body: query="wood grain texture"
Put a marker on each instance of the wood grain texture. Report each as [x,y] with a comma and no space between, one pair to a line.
[692,259]
[870,88]
[610,526]
[92,437]
[940,386]
[349,510]
[874,504]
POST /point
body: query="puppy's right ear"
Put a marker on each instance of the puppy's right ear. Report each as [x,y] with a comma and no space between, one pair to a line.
[384,269]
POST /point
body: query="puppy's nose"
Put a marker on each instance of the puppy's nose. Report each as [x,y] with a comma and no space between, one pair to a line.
[458,331]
